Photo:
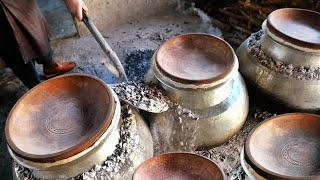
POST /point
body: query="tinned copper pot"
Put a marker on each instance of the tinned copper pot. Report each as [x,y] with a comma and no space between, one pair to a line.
[289,36]
[283,147]
[76,104]
[178,166]
[200,72]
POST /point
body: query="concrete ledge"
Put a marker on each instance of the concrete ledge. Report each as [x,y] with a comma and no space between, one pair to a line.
[111,13]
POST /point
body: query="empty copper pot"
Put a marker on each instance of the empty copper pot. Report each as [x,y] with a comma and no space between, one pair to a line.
[60,118]
[179,166]
[292,37]
[200,72]
[66,125]
[285,147]
[58,128]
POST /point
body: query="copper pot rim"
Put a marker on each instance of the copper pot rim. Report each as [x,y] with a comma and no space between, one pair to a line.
[299,42]
[249,158]
[228,70]
[182,154]
[81,146]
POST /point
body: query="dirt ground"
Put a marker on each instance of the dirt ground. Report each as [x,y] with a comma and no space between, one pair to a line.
[143,35]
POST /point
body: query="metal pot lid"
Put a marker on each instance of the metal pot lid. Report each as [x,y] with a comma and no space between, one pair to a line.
[196,59]
[60,118]
[297,26]
[286,147]
[178,166]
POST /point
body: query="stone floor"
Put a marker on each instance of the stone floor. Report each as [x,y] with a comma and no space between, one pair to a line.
[143,34]
[59,19]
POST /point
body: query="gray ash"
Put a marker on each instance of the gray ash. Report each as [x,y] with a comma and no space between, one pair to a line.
[115,162]
[182,113]
[137,64]
[158,37]
[146,96]
[301,72]
[260,114]
[24,173]
[151,98]
[238,173]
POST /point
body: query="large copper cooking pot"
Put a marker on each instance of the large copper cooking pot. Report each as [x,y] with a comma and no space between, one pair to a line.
[60,118]
[200,72]
[62,123]
[179,166]
[290,36]
[66,125]
[284,147]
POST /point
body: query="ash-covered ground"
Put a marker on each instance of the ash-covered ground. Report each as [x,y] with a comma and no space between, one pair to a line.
[137,64]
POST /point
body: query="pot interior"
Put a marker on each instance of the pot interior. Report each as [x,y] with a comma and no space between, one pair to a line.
[178,166]
[286,146]
[196,58]
[60,118]
[302,27]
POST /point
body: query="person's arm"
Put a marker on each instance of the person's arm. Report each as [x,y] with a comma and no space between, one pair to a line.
[75,7]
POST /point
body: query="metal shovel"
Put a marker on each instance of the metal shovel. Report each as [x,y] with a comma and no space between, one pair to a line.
[115,60]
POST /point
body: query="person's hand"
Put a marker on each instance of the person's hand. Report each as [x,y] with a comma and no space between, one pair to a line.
[75,7]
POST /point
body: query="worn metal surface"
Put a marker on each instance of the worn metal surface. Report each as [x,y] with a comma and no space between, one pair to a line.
[60,117]
[285,147]
[297,26]
[97,154]
[209,58]
[284,44]
[294,93]
[222,107]
[251,173]
[180,166]
[82,161]
[290,55]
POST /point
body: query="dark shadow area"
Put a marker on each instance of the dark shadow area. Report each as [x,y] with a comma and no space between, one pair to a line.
[11,89]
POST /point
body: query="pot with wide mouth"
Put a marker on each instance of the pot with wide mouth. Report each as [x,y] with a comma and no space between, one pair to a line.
[178,166]
[65,126]
[282,61]
[284,147]
[199,72]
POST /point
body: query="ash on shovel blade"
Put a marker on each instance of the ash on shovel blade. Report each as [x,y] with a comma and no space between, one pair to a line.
[144,96]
